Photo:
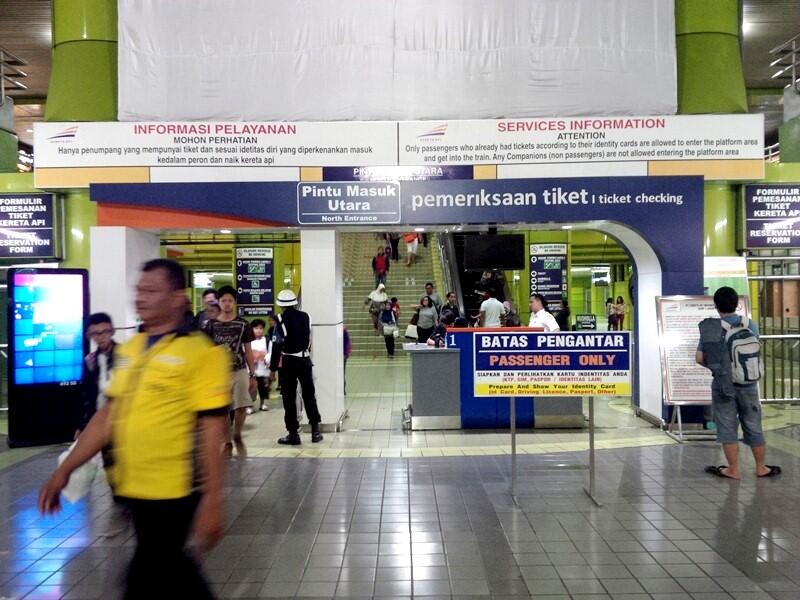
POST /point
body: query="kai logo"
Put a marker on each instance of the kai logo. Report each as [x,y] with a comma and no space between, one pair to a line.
[65,135]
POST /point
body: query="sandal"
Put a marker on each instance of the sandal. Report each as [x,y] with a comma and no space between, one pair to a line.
[773,470]
[717,471]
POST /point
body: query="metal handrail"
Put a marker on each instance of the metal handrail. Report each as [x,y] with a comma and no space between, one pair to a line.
[8,72]
[447,254]
[772,153]
[784,44]
[784,52]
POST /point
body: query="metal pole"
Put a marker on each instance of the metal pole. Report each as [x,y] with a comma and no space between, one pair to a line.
[591,491]
[513,412]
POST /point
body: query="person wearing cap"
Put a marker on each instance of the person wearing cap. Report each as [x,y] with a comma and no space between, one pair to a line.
[295,366]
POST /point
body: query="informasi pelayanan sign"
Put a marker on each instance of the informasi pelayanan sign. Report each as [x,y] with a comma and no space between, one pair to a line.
[552,364]
[717,146]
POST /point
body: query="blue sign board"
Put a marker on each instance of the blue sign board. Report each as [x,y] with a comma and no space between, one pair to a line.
[548,272]
[255,281]
[348,203]
[772,215]
[396,173]
[26,226]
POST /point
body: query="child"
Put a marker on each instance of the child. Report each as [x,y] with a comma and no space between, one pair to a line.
[260,347]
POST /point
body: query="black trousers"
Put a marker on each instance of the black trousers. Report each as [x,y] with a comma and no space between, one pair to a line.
[294,369]
[263,389]
[423,333]
[160,566]
[395,242]
[389,340]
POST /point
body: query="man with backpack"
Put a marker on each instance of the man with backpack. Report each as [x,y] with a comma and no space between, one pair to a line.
[729,348]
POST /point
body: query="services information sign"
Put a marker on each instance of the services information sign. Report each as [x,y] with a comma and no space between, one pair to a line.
[255,281]
[586,322]
[26,226]
[684,381]
[772,215]
[549,271]
[552,364]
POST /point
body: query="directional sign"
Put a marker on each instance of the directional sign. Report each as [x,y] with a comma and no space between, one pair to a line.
[255,281]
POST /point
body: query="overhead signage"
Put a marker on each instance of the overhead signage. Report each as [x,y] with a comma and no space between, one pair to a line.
[396,173]
[772,215]
[586,322]
[583,139]
[354,203]
[26,226]
[548,271]
[552,364]
[683,380]
[255,281]
[717,146]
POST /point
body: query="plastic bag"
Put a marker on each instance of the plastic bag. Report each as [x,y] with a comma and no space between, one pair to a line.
[82,478]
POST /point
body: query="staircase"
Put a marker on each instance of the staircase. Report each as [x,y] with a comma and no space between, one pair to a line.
[406,283]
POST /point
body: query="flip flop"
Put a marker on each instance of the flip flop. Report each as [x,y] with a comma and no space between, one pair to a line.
[773,470]
[717,471]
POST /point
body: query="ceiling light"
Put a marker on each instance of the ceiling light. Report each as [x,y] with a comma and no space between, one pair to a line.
[566,227]
[419,229]
[226,231]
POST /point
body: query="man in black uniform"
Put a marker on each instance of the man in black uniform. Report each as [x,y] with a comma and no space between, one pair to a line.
[295,365]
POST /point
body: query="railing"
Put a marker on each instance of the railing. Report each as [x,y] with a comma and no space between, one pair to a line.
[776,278]
[788,59]
[9,73]
[772,153]
[447,255]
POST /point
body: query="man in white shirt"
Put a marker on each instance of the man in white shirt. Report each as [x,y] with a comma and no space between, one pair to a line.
[491,311]
[540,317]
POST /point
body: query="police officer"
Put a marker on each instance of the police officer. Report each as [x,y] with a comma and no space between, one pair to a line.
[295,365]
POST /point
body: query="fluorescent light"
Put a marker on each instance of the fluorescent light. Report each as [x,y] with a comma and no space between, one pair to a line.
[566,227]
[419,229]
[225,231]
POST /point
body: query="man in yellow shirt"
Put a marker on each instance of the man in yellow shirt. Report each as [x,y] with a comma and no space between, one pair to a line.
[166,420]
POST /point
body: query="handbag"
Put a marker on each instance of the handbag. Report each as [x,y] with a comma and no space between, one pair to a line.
[390,329]
[414,319]
[411,331]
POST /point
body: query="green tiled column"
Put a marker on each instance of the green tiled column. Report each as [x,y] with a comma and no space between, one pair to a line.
[789,137]
[83,87]
[710,75]
[719,216]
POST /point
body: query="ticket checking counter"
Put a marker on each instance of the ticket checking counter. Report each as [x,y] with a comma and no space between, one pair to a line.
[442,386]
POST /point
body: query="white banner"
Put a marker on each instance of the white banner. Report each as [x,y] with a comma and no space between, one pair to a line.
[583,139]
[606,140]
[214,144]
[261,60]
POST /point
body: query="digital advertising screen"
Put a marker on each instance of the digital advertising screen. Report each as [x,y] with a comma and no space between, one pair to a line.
[47,327]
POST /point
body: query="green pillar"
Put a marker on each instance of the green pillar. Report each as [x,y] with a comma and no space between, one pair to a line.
[710,75]
[719,219]
[83,87]
[83,77]
[80,214]
[789,137]
[8,137]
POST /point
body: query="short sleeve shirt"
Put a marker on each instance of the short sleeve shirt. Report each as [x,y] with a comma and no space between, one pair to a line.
[233,335]
[492,310]
[156,394]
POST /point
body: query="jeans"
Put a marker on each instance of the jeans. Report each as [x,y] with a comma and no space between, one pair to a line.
[732,407]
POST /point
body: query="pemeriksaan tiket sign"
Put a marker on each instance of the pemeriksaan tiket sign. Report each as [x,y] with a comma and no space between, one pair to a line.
[26,226]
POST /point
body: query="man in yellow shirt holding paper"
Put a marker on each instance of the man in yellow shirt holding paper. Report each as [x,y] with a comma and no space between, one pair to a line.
[166,419]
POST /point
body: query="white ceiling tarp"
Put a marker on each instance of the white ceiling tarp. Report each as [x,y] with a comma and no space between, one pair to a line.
[326,60]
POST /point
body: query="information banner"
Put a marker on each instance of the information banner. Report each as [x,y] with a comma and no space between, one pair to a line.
[548,270]
[586,322]
[720,146]
[684,381]
[26,226]
[374,203]
[772,215]
[552,364]
[255,281]
[583,139]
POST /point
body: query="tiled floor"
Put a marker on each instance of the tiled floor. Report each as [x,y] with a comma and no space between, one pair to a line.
[446,527]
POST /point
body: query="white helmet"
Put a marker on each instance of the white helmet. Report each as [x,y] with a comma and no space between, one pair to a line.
[287,298]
